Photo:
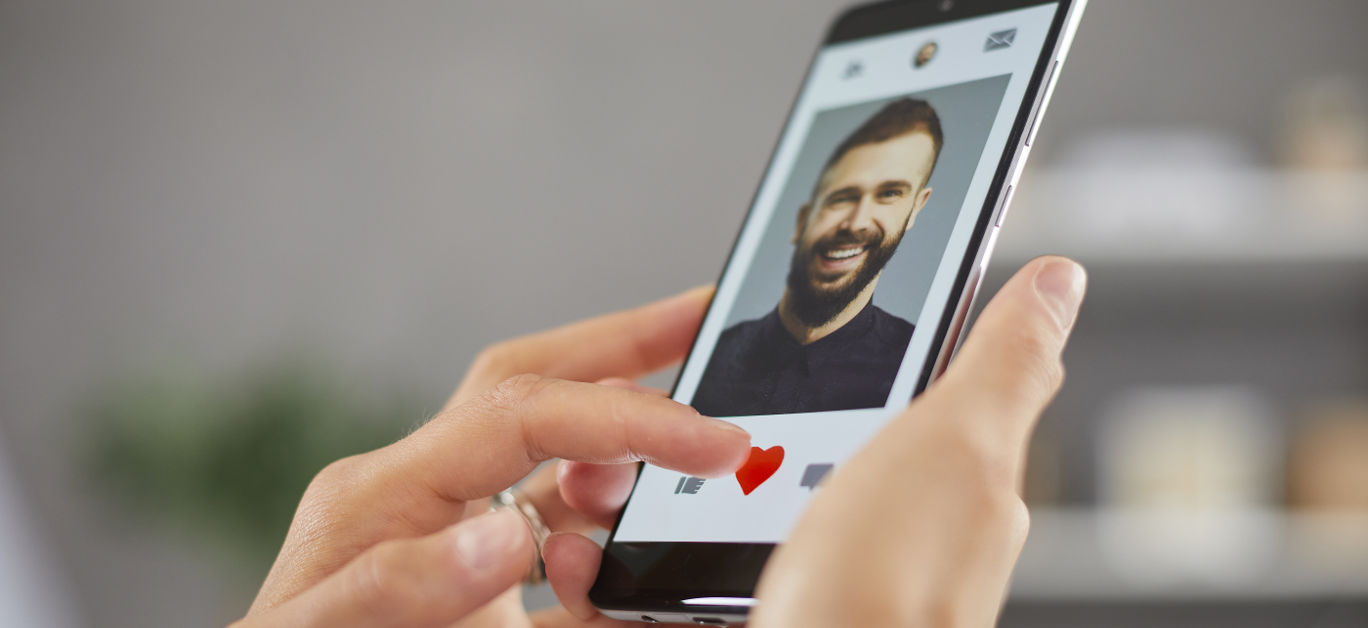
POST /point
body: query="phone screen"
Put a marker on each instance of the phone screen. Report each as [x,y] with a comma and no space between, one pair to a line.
[836,296]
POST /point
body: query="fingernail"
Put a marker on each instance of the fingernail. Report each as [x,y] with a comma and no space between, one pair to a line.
[482,541]
[727,425]
[698,291]
[1060,283]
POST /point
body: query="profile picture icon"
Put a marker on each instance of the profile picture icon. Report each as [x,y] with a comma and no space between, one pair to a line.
[925,54]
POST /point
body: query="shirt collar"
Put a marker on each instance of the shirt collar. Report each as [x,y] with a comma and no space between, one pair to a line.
[815,353]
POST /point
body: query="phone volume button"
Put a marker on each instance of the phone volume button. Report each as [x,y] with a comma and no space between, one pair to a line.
[1006,205]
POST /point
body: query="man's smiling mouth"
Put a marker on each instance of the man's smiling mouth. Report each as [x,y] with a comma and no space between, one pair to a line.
[845,252]
[839,260]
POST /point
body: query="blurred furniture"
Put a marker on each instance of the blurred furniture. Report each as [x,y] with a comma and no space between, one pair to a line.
[1226,276]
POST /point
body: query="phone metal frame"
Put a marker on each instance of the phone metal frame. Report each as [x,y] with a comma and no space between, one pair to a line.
[949,335]
[952,337]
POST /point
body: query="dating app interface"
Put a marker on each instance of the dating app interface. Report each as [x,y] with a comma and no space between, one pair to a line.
[828,307]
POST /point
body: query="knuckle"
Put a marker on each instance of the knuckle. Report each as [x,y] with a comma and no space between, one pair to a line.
[514,391]
[1017,520]
[336,477]
[508,401]
[1036,365]
[1049,373]
[979,457]
[329,499]
[996,510]
[1029,344]
[1003,511]
[337,470]
[345,493]
[495,361]
[1001,517]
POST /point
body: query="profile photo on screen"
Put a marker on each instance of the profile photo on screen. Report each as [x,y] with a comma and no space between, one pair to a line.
[825,345]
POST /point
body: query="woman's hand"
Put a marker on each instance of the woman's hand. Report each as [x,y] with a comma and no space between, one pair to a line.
[923,527]
[400,536]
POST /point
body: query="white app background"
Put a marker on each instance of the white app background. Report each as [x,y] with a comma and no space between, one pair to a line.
[719,512]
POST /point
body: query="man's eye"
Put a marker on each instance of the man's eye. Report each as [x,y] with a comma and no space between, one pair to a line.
[891,194]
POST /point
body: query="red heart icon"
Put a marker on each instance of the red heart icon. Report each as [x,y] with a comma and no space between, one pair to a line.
[759,467]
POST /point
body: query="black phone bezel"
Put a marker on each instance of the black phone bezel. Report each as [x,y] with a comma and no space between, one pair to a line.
[676,568]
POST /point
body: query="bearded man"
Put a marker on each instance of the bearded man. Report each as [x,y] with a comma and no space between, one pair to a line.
[826,346]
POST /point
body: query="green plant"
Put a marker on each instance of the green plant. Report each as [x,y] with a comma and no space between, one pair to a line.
[231,459]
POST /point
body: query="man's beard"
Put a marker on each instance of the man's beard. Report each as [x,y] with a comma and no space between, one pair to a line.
[815,307]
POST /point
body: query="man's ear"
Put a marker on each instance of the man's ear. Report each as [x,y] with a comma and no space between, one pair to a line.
[801,223]
[922,197]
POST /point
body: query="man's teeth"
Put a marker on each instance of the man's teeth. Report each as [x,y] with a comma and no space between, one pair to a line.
[844,253]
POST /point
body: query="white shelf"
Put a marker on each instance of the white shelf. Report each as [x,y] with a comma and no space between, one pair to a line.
[1173,217]
[1094,555]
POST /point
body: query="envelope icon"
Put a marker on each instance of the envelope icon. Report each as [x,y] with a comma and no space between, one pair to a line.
[1000,40]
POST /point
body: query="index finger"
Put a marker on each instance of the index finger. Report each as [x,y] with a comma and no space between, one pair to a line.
[629,344]
[485,445]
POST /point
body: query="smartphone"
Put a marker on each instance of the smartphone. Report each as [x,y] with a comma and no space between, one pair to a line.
[847,288]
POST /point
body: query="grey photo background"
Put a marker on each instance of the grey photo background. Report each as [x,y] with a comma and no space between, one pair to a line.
[388,188]
[966,111]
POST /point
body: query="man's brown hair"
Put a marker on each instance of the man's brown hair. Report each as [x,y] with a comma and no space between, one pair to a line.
[902,116]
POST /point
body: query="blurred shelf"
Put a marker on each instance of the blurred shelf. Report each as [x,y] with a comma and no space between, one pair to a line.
[1164,218]
[1217,275]
[1093,555]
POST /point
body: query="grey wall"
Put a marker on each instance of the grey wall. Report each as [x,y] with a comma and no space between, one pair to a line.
[394,185]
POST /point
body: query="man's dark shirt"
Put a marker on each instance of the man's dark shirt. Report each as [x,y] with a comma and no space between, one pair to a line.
[758,368]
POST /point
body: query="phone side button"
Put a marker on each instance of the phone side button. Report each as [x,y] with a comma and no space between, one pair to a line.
[952,338]
[1006,205]
[1040,111]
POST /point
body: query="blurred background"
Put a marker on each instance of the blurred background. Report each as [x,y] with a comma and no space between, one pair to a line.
[238,240]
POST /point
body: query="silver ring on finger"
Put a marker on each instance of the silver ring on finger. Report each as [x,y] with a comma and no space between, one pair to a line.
[515,499]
